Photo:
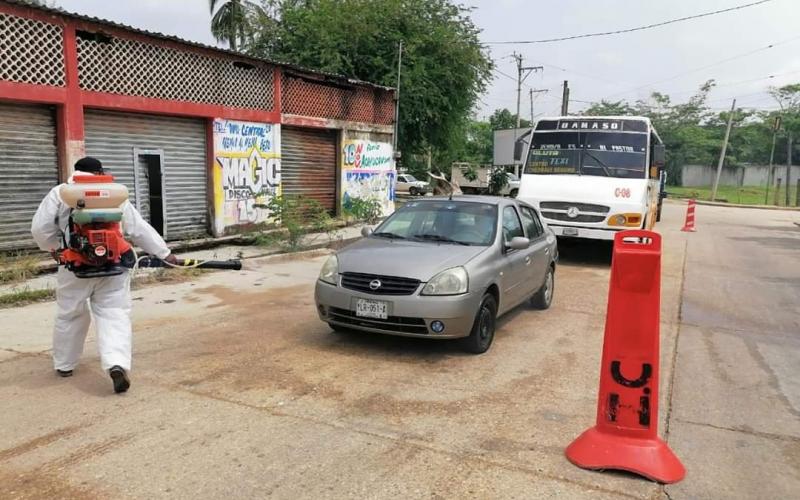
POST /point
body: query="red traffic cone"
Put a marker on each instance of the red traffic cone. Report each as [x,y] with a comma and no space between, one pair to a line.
[625,436]
[689,225]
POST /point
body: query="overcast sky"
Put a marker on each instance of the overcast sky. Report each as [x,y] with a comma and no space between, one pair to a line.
[673,59]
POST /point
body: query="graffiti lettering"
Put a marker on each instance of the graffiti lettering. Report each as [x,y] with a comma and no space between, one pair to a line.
[254,175]
[248,171]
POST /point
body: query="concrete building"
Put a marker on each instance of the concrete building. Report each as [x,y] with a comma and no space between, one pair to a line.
[202,137]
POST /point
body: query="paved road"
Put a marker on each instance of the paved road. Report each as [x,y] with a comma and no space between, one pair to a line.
[736,411]
[240,391]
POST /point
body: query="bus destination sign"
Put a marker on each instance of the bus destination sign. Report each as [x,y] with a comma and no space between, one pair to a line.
[590,125]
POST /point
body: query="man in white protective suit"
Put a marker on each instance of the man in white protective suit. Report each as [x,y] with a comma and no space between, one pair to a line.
[108,298]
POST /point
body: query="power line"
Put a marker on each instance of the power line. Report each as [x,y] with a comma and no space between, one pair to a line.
[630,30]
[723,61]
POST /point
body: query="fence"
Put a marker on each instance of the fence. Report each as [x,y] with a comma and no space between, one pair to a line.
[752,175]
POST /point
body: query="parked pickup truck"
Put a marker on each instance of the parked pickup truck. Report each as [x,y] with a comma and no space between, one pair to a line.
[458,174]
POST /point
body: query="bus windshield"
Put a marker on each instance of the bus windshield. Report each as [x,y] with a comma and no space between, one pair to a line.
[605,154]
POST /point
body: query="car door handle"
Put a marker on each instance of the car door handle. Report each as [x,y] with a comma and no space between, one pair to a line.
[527,261]
[547,251]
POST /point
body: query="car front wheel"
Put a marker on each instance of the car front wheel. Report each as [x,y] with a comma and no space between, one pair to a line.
[412,191]
[482,333]
[544,296]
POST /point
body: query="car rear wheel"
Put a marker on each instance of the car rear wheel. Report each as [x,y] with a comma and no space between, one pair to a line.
[482,333]
[544,296]
[413,191]
[514,193]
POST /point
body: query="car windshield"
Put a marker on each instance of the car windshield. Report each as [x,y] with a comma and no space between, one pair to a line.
[410,178]
[442,221]
[512,177]
[605,154]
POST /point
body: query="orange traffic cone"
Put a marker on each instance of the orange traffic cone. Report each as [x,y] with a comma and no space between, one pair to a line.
[625,435]
[689,225]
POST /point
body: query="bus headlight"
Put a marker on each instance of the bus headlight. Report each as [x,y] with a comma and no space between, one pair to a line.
[625,220]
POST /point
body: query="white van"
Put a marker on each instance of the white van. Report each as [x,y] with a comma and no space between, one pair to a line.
[590,177]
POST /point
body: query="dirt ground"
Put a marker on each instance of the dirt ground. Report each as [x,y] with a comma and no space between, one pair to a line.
[239,390]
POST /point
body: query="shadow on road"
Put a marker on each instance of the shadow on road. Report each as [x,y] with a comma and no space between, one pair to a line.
[592,253]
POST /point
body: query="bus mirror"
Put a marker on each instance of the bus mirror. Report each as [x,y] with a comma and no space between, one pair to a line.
[518,150]
[659,156]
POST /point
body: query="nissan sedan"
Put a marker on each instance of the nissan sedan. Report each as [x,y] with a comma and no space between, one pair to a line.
[441,268]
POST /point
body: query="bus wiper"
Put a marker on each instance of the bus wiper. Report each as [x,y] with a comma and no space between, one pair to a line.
[599,163]
[439,238]
[391,236]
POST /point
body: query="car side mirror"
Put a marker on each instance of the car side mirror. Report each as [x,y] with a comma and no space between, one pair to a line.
[659,156]
[518,243]
[366,231]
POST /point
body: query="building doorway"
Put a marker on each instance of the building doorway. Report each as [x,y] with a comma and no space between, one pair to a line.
[149,183]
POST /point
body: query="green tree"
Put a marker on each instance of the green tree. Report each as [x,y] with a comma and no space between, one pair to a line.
[445,68]
[232,21]
[505,119]
[609,108]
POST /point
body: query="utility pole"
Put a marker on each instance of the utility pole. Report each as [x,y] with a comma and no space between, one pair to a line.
[397,99]
[565,99]
[788,163]
[522,74]
[535,91]
[770,173]
[722,153]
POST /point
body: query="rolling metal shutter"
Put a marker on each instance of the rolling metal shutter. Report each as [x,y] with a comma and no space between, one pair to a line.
[28,169]
[308,164]
[112,138]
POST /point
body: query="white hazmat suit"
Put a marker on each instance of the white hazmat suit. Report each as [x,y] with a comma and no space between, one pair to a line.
[108,298]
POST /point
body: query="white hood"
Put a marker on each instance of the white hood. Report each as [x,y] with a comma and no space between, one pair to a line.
[583,188]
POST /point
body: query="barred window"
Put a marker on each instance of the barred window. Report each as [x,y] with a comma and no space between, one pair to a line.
[31,51]
[129,67]
[361,104]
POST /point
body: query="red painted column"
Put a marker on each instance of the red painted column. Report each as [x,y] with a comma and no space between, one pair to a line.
[69,117]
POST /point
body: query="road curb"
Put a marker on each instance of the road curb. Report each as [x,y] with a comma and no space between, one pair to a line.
[735,205]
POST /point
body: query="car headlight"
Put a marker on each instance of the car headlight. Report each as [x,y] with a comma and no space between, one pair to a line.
[330,271]
[450,282]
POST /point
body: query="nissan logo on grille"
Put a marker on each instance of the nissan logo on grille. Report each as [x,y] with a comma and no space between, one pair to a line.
[375,284]
[572,212]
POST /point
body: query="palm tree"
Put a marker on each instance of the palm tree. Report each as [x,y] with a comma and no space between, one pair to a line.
[230,23]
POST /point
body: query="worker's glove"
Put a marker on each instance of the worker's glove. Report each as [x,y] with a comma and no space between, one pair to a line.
[171,259]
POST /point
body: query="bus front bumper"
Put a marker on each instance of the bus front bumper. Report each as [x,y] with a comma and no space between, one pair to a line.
[586,232]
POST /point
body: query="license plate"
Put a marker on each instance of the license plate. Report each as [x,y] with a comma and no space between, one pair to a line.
[570,231]
[372,309]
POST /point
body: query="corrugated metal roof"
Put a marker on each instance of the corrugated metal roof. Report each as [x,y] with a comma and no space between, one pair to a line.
[64,13]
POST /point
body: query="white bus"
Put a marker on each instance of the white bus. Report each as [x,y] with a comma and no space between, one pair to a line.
[593,176]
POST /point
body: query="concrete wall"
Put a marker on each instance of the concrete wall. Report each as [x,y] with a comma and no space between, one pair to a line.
[752,175]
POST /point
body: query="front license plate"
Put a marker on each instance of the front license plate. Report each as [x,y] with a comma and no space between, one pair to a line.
[372,309]
[570,231]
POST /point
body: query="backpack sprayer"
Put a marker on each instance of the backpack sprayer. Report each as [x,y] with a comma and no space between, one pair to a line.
[94,245]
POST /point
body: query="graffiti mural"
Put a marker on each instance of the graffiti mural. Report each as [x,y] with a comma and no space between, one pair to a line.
[368,173]
[247,172]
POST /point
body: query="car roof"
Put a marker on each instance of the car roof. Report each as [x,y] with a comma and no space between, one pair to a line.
[476,198]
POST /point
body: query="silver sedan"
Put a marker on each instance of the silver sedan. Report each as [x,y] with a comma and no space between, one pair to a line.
[441,268]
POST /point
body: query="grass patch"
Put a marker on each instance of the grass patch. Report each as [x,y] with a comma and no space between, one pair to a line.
[18,267]
[26,296]
[745,195]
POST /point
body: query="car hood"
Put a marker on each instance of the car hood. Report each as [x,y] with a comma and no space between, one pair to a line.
[408,259]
